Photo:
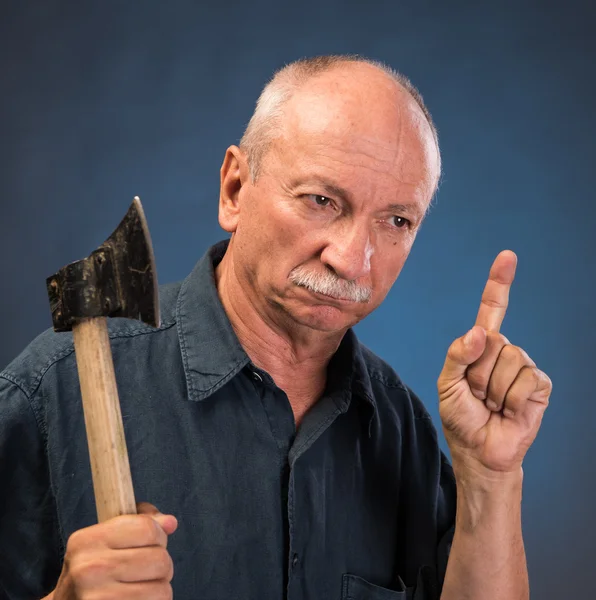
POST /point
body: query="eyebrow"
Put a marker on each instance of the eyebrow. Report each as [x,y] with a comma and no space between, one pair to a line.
[408,209]
[336,191]
[333,190]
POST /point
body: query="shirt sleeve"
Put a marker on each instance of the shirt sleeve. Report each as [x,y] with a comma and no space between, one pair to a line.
[430,578]
[30,544]
[446,516]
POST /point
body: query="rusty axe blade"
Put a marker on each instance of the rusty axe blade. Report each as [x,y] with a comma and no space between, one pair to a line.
[116,280]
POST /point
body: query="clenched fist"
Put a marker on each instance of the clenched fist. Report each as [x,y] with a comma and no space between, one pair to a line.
[124,557]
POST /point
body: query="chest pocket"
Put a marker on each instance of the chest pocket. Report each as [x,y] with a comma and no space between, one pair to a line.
[356,588]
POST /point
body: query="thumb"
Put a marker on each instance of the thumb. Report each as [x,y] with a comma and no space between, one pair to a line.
[462,353]
[168,523]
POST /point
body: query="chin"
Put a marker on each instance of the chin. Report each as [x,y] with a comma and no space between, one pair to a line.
[324,318]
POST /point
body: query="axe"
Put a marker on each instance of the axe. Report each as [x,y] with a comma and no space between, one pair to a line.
[116,280]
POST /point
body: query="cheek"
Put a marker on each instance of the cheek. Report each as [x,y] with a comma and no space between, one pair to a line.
[268,219]
[273,241]
[287,236]
[387,266]
[258,229]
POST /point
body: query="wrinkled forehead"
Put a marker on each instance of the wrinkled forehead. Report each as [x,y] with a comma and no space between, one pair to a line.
[364,121]
[372,130]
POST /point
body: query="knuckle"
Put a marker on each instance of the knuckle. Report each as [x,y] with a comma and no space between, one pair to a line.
[477,379]
[514,400]
[489,300]
[546,380]
[164,563]
[146,530]
[543,385]
[512,354]
[519,355]
[496,391]
[170,570]
[531,374]
[454,351]
[164,592]
[495,339]
[76,541]
[87,571]
[525,357]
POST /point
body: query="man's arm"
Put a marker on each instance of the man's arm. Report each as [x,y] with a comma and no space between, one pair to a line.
[30,544]
[492,398]
[487,558]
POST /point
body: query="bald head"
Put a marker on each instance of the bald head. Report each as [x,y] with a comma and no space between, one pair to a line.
[315,94]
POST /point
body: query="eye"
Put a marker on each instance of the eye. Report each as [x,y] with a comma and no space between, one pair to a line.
[320,200]
[399,222]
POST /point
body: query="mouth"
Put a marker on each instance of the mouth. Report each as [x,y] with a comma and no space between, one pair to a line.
[328,298]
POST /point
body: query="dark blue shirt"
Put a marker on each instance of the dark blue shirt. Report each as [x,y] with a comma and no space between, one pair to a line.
[357,503]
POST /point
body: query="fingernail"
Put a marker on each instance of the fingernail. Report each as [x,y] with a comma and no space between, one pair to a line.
[492,405]
[509,413]
[478,393]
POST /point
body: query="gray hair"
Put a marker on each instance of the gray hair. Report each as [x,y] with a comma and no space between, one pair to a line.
[268,113]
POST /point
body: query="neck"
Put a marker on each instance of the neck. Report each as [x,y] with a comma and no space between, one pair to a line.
[295,356]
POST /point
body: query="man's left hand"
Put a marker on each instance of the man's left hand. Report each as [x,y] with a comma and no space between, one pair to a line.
[491,394]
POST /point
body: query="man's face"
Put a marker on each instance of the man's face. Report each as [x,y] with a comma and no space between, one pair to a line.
[323,233]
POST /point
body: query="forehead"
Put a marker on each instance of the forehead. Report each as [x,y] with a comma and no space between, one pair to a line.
[361,127]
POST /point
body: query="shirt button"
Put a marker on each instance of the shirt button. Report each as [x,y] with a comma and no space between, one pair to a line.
[256,376]
[295,561]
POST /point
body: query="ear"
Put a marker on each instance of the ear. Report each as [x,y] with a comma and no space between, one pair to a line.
[234,175]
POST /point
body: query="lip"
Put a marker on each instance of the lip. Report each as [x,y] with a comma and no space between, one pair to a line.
[328,299]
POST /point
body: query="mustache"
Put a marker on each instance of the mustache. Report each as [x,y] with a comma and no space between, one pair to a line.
[330,284]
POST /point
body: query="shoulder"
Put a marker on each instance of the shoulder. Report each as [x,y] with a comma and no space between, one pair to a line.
[28,369]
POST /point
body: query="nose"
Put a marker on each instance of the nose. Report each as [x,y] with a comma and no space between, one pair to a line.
[349,251]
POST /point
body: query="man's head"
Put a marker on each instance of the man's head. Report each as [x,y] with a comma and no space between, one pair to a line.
[326,193]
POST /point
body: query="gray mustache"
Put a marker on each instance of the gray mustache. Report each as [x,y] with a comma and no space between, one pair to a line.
[330,284]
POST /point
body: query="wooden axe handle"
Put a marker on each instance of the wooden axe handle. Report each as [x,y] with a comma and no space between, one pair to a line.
[110,468]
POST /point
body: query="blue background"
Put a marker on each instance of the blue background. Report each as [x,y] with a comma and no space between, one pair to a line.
[104,100]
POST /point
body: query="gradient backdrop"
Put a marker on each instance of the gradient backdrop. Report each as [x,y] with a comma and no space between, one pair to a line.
[103,100]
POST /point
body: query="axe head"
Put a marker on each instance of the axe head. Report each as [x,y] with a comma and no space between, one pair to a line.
[116,280]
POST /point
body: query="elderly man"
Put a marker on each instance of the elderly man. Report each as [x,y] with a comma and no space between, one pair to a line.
[287,459]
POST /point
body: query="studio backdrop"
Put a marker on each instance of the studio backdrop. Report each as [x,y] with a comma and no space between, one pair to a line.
[104,100]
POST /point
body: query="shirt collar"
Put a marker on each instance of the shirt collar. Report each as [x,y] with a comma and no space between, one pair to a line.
[212,354]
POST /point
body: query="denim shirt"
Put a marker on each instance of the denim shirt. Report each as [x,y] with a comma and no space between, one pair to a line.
[357,503]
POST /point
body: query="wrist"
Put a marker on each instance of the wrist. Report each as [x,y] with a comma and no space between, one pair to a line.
[487,498]
[472,473]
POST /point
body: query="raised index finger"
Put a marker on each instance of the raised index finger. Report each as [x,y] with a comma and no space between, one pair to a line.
[495,297]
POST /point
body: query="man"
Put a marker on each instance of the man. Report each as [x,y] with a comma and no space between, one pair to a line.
[288,459]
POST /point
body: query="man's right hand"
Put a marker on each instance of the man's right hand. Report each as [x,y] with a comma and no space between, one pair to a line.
[124,557]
